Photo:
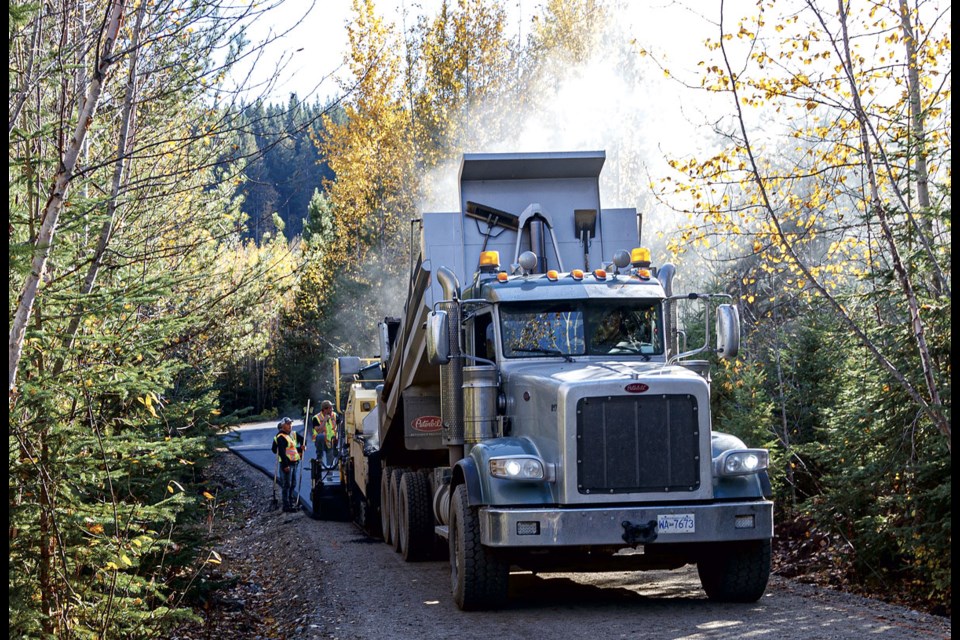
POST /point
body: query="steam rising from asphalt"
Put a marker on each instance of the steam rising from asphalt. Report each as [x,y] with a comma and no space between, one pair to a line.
[617,101]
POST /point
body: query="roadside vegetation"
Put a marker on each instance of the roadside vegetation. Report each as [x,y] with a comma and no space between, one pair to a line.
[183,255]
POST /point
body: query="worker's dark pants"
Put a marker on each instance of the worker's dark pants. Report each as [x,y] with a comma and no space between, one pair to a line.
[288,486]
[327,453]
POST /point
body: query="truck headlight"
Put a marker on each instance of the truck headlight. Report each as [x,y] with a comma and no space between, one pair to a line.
[518,468]
[740,462]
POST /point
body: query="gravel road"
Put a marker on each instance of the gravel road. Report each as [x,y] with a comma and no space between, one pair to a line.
[342,584]
[657,604]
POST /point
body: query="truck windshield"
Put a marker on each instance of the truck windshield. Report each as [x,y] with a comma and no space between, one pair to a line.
[544,329]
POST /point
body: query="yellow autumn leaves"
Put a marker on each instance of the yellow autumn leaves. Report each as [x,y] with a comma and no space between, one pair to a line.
[147,401]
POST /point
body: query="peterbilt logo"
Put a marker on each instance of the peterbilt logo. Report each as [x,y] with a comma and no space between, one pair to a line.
[635,387]
[427,424]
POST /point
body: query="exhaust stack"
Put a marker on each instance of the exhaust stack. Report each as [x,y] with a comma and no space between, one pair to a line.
[451,374]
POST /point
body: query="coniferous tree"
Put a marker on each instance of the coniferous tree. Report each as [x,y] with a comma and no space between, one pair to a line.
[142,289]
[827,203]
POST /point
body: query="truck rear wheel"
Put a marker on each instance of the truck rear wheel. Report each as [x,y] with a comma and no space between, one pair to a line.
[735,571]
[385,503]
[478,577]
[415,517]
[394,488]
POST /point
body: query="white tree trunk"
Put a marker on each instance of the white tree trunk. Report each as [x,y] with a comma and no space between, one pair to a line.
[58,191]
[121,167]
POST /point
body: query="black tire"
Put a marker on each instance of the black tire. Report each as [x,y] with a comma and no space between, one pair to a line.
[394,489]
[415,517]
[363,514]
[358,511]
[354,495]
[369,505]
[735,571]
[385,503]
[478,577]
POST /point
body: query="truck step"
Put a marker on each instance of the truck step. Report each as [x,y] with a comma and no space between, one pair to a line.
[442,530]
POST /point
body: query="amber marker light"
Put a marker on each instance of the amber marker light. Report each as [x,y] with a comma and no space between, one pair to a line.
[490,259]
[502,276]
[600,274]
[644,274]
[577,274]
[552,275]
[640,257]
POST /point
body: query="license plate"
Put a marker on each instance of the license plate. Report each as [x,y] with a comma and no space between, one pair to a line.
[676,523]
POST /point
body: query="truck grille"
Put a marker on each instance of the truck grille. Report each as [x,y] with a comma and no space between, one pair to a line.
[637,444]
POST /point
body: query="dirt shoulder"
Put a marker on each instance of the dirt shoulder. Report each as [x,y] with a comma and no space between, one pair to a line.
[271,575]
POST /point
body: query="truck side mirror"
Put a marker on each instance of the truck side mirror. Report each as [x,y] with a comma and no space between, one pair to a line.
[349,366]
[728,331]
[438,338]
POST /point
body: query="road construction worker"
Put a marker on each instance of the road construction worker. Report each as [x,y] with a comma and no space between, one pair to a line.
[289,449]
[325,434]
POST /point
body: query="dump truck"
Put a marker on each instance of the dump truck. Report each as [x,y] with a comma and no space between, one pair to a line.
[535,404]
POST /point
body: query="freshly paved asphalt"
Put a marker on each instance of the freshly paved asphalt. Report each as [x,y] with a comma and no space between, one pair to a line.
[252,443]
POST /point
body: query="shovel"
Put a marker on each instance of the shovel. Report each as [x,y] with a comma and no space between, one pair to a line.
[306,418]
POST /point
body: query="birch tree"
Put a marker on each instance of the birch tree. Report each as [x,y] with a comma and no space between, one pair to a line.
[133,285]
[839,120]
[863,94]
[60,184]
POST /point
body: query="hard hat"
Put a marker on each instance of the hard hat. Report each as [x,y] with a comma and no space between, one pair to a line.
[286,421]
[326,404]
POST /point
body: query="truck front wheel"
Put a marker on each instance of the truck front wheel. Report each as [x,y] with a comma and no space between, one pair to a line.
[478,577]
[735,571]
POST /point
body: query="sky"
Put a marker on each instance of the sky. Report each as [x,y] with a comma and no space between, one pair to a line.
[315,42]
[315,37]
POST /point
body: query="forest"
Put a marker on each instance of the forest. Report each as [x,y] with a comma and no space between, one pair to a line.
[185,255]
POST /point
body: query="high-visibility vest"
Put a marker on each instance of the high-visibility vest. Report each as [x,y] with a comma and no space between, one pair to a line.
[293,454]
[328,426]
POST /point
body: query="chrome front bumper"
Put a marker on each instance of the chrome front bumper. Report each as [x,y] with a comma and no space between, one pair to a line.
[514,527]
